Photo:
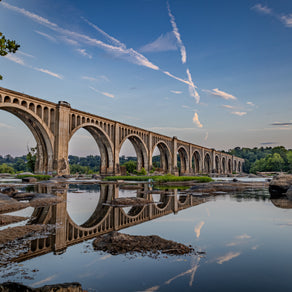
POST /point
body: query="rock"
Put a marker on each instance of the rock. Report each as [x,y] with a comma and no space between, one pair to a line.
[235,180]
[25,173]
[252,175]
[280,184]
[5,174]
[66,287]
[289,193]
[29,179]
[95,176]
[8,191]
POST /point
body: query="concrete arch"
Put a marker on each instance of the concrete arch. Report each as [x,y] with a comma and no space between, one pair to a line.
[196,162]
[42,134]
[235,165]
[184,159]
[207,163]
[104,144]
[165,156]
[140,149]
[239,166]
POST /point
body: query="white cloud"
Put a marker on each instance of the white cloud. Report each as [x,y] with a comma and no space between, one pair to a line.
[198,228]
[49,73]
[84,53]
[102,92]
[239,113]
[24,54]
[262,9]
[46,36]
[287,20]
[69,41]
[177,36]
[220,93]
[165,42]
[229,256]
[176,92]
[177,78]
[96,79]
[196,121]
[15,59]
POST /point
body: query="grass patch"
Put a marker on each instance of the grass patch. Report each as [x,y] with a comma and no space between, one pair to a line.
[37,176]
[160,178]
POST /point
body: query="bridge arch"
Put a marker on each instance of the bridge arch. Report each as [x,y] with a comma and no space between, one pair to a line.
[235,166]
[104,144]
[207,163]
[40,130]
[229,166]
[239,166]
[140,149]
[165,156]
[223,165]
[184,159]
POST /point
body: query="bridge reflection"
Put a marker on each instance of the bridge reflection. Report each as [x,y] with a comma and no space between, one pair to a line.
[105,218]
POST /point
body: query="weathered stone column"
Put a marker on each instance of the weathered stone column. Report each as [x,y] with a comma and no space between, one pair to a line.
[213,162]
[150,152]
[62,124]
[117,170]
[174,156]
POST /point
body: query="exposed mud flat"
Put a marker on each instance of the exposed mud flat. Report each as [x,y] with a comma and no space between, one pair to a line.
[9,219]
[118,243]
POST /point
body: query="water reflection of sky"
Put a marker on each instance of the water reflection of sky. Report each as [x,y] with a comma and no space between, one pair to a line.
[247,244]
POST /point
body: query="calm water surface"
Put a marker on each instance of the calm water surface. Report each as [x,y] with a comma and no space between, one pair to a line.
[246,238]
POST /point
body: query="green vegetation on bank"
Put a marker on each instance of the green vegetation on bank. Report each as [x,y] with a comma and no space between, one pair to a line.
[265,159]
[37,176]
[159,178]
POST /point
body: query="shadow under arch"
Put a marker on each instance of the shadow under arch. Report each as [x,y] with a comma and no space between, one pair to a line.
[196,161]
[217,166]
[165,156]
[223,165]
[229,166]
[207,163]
[163,202]
[104,144]
[184,159]
[43,136]
[140,149]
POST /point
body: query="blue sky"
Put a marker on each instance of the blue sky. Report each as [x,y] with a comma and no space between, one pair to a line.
[215,73]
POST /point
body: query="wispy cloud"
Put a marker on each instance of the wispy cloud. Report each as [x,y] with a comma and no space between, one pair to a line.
[110,38]
[165,42]
[49,73]
[229,256]
[250,103]
[281,124]
[196,121]
[262,9]
[2,125]
[228,106]
[96,79]
[198,228]
[206,136]
[15,59]
[220,93]
[243,236]
[102,92]
[239,113]
[47,36]
[25,54]
[268,143]
[285,19]
[177,36]
[84,53]
[176,92]
[192,87]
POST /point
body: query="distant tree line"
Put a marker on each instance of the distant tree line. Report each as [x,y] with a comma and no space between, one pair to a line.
[265,159]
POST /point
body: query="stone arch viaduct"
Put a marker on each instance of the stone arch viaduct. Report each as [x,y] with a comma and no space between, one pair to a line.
[53,125]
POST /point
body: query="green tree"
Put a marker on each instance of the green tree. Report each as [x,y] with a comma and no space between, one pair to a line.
[4,168]
[7,46]
[130,166]
[31,159]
